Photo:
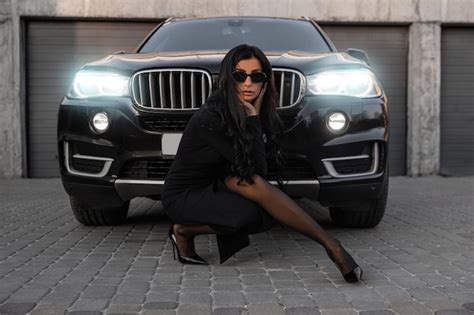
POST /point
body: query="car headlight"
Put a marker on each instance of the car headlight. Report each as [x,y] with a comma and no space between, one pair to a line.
[358,83]
[94,84]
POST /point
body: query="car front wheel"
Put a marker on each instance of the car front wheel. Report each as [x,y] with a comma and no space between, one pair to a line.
[366,215]
[95,216]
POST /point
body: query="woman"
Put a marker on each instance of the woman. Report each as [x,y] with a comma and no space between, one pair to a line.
[216,183]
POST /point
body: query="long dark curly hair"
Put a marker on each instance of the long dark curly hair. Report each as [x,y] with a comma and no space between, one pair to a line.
[225,106]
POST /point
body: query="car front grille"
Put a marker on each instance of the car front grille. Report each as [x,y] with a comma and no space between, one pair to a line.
[177,123]
[157,168]
[87,165]
[162,123]
[171,89]
[188,89]
[367,163]
[353,166]
[290,85]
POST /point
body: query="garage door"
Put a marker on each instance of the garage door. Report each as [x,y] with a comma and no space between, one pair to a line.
[457,101]
[54,52]
[387,48]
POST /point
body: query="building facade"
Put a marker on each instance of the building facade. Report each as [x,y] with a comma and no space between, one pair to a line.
[422,51]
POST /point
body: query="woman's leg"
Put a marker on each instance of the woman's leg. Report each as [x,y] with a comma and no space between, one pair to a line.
[285,210]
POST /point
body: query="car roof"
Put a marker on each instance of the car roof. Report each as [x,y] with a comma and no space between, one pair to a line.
[245,17]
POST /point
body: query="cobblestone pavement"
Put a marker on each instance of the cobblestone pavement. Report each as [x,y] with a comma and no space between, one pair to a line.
[418,260]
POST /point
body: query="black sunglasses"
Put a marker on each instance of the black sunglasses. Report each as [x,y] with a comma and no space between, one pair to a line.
[256,77]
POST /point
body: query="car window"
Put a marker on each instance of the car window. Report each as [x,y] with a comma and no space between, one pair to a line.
[223,34]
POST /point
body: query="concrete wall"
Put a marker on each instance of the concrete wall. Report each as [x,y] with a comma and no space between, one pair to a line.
[424,17]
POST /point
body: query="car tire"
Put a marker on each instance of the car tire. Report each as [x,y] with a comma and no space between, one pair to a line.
[366,215]
[92,216]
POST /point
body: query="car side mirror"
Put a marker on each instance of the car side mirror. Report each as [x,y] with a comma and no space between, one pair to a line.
[359,54]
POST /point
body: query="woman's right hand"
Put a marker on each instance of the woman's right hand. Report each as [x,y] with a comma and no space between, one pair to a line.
[250,109]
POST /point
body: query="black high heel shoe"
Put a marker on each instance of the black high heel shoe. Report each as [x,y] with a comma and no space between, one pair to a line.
[193,260]
[356,272]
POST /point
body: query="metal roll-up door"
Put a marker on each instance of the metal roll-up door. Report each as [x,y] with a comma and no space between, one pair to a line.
[457,101]
[387,48]
[55,50]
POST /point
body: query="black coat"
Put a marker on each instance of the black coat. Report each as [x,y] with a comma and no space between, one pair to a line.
[195,192]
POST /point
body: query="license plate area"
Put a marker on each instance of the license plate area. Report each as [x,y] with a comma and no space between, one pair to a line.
[170,143]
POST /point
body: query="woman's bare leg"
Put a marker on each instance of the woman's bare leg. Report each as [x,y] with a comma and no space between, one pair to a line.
[185,234]
[285,210]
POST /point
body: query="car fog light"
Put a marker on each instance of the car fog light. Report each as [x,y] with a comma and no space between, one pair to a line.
[337,122]
[100,122]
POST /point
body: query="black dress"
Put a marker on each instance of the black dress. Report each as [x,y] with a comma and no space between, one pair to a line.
[195,192]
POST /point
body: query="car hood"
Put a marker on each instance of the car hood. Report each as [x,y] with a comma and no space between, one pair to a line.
[308,63]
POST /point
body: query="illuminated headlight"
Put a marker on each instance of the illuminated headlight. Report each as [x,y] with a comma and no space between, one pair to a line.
[358,83]
[336,122]
[100,122]
[94,84]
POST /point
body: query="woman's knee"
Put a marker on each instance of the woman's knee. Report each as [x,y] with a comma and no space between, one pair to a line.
[249,190]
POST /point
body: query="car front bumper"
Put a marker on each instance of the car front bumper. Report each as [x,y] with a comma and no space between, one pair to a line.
[127,161]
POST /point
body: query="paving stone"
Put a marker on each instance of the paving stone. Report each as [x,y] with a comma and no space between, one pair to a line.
[160,305]
[48,311]
[162,297]
[195,298]
[441,303]
[331,300]
[194,309]
[377,312]
[224,271]
[410,307]
[197,275]
[124,308]
[265,309]
[408,282]
[342,311]
[424,294]
[90,305]
[17,307]
[255,280]
[99,292]
[231,279]
[196,283]
[229,311]
[127,298]
[29,294]
[302,310]
[73,312]
[453,312]
[252,271]
[258,288]
[282,275]
[469,306]
[206,290]
[165,288]
[368,305]
[287,284]
[291,291]
[261,298]
[133,287]
[230,299]
[227,287]
[297,301]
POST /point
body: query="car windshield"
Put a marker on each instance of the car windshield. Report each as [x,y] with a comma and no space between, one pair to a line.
[222,34]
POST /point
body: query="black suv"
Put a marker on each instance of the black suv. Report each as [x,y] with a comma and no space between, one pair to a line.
[121,122]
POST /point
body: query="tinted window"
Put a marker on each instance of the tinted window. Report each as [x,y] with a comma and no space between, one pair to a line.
[223,34]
